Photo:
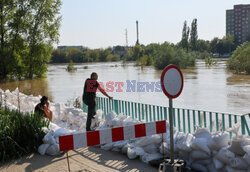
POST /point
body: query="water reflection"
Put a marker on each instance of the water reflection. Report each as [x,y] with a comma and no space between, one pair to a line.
[35,87]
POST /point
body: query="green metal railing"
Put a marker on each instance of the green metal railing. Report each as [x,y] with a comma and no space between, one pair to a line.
[185,120]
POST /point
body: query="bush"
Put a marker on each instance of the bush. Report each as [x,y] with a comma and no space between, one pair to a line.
[240,59]
[169,54]
[20,134]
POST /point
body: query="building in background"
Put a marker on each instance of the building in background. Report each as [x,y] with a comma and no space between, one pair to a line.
[238,22]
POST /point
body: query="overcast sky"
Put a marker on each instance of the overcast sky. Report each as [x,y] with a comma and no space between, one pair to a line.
[102,23]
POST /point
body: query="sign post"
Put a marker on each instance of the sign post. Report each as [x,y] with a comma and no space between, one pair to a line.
[172,85]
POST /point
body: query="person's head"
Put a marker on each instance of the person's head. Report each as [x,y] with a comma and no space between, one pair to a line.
[44,100]
[94,76]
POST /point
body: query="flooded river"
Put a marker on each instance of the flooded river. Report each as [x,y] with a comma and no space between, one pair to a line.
[205,88]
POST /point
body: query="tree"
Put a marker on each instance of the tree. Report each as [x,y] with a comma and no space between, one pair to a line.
[43,28]
[240,60]
[185,35]
[193,35]
[28,28]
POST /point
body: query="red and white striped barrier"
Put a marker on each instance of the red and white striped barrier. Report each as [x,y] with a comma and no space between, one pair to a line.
[109,135]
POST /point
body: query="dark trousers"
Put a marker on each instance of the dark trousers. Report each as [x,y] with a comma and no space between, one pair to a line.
[91,112]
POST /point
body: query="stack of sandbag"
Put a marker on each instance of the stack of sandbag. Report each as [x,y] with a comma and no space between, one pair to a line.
[50,144]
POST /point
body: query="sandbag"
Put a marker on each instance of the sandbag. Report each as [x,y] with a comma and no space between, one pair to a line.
[217,163]
[125,149]
[109,118]
[149,140]
[53,149]
[199,155]
[220,140]
[149,157]
[225,155]
[131,153]
[184,142]
[202,133]
[42,148]
[201,144]
[238,163]
[152,148]
[107,146]
[235,146]
[246,158]
[49,139]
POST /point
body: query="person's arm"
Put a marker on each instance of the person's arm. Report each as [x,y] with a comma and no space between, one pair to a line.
[104,92]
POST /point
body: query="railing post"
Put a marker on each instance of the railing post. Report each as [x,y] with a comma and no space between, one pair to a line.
[243,128]
[116,106]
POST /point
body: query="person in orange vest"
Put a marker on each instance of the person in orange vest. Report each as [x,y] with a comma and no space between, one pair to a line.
[89,97]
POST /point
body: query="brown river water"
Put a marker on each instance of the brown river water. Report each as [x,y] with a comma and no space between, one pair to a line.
[205,88]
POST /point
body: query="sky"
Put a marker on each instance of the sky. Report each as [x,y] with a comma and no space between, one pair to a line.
[102,23]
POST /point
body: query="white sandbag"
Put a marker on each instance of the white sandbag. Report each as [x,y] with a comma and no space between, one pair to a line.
[116,149]
[120,144]
[199,167]
[202,133]
[184,142]
[110,117]
[220,140]
[199,155]
[42,148]
[217,163]
[246,158]
[246,148]
[201,144]
[125,149]
[235,146]
[139,151]
[230,169]
[107,146]
[153,139]
[238,163]
[225,155]
[149,157]
[130,121]
[49,139]
[152,148]
[58,131]
[131,153]
[53,149]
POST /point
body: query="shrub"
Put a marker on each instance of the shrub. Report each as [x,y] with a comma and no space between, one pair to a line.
[240,59]
[20,134]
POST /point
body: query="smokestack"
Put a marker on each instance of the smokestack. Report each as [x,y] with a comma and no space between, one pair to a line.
[137,32]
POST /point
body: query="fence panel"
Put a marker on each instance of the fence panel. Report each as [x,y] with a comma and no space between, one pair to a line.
[185,120]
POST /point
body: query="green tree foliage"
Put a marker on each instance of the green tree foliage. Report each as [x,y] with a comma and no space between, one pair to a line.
[28,28]
[185,36]
[170,54]
[193,35]
[240,59]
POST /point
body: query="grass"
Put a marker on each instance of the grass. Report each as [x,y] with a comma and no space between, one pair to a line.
[20,134]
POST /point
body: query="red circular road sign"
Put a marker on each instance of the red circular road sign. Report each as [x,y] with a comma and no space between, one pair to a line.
[172,81]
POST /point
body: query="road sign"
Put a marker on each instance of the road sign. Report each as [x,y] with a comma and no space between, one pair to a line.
[172,81]
[172,85]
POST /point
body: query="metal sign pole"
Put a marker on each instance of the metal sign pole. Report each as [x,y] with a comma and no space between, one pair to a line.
[171,130]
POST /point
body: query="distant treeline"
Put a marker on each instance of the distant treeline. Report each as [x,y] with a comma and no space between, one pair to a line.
[83,54]
[182,54]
